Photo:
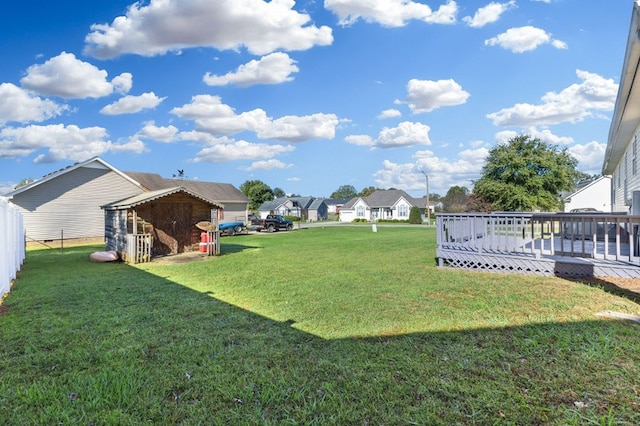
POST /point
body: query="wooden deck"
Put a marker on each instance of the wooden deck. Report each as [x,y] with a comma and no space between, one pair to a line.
[568,245]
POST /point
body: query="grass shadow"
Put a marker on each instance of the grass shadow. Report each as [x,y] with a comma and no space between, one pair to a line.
[112,344]
[610,286]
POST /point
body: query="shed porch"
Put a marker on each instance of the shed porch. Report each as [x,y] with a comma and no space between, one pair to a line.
[550,244]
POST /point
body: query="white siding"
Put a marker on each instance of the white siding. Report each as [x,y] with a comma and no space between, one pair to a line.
[596,195]
[402,206]
[626,177]
[360,210]
[70,203]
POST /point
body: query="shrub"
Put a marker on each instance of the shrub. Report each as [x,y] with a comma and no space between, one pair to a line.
[414,215]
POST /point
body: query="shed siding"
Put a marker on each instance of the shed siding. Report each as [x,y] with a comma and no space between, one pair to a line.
[170,220]
[71,203]
[116,230]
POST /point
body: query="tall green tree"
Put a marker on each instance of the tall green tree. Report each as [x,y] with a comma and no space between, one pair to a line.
[279,192]
[456,199]
[367,191]
[257,192]
[526,174]
[345,191]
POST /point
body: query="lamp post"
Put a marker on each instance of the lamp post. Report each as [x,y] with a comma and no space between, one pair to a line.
[426,176]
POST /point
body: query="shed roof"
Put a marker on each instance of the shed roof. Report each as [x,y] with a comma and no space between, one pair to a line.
[147,197]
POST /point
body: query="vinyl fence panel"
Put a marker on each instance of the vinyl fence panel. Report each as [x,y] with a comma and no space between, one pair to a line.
[12,244]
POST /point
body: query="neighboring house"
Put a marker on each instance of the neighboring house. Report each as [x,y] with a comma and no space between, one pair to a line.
[318,210]
[307,208]
[234,201]
[623,145]
[335,204]
[593,195]
[67,203]
[382,204]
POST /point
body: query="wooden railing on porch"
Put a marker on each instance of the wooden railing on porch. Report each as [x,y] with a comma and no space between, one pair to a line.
[606,236]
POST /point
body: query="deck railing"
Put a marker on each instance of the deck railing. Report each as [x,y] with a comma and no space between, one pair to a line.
[139,248]
[607,236]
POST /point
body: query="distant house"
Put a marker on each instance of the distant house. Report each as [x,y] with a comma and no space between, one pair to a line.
[593,195]
[335,204]
[306,208]
[382,204]
[67,203]
[318,210]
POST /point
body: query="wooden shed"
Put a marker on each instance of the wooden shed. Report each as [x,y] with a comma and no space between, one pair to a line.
[161,222]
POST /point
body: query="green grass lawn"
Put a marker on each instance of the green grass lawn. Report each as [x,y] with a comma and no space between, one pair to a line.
[334,325]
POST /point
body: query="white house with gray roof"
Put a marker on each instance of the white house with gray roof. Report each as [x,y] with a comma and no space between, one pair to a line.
[382,204]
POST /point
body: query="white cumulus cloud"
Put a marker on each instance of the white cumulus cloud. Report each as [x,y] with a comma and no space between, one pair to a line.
[427,95]
[60,142]
[267,165]
[230,150]
[544,135]
[159,133]
[132,104]
[443,172]
[524,39]
[19,105]
[488,14]
[391,13]
[405,134]
[389,113]
[212,116]
[274,68]
[68,77]
[590,156]
[580,100]
[160,26]
[301,128]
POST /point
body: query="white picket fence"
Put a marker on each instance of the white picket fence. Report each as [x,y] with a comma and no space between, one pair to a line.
[12,244]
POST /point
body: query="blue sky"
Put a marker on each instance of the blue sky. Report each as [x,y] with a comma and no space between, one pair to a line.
[305,96]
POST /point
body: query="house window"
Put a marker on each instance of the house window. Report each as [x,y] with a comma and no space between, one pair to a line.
[360,211]
[402,210]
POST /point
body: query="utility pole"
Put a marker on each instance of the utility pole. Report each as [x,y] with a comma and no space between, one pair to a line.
[426,176]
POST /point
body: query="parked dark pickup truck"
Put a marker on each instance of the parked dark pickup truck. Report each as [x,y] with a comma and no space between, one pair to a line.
[272,223]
